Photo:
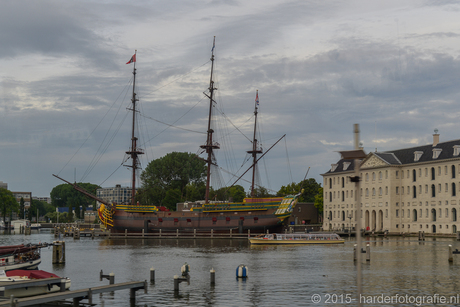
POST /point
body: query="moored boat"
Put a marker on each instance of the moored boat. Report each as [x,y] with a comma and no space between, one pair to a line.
[297,238]
[24,286]
[21,256]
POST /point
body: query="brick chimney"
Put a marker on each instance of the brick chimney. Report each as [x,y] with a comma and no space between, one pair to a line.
[435,137]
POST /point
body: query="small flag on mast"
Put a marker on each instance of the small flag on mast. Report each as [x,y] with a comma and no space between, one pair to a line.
[257,97]
[132,60]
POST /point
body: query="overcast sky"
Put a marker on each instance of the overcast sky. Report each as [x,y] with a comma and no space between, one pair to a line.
[319,66]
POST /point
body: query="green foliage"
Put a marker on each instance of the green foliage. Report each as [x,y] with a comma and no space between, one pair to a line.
[21,207]
[235,194]
[319,201]
[195,191]
[174,177]
[310,187]
[172,197]
[8,203]
[260,192]
[64,195]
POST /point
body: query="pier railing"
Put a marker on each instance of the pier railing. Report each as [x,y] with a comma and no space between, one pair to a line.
[158,234]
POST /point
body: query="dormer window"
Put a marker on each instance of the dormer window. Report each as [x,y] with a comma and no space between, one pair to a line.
[333,167]
[346,165]
[436,152]
[456,150]
[417,155]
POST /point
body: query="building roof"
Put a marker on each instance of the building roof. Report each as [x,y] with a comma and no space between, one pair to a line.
[418,154]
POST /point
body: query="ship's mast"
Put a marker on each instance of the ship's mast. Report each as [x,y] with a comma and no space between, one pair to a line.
[209,146]
[134,151]
[255,150]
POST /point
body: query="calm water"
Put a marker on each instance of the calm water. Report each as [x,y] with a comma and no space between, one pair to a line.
[278,275]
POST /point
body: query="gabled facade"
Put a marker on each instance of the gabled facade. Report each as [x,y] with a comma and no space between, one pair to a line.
[405,190]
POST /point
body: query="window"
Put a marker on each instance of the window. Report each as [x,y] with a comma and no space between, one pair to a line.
[380,175]
[343,195]
[397,190]
[397,212]
[367,177]
[373,176]
[414,175]
[330,196]
[397,174]
[386,190]
[454,215]
[330,183]
[432,173]
[433,191]
[453,171]
[367,192]
[456,150]
[380,191]
[343,182]
[414,191]
[447,187]
[373,191]
[454,191]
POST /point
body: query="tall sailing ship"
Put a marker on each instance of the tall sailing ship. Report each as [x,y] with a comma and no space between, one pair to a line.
[254,214]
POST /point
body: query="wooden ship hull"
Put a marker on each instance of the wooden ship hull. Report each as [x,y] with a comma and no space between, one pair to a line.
[220,217]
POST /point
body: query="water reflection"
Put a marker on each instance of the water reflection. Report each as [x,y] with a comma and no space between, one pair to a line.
[278,275]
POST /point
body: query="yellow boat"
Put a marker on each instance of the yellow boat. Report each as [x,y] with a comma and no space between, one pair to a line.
[297,238]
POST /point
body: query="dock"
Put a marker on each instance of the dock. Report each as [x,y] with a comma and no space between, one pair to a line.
[75,295]
[76,233]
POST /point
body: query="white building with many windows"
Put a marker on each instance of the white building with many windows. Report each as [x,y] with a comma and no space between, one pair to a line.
[117,194]
[405,190]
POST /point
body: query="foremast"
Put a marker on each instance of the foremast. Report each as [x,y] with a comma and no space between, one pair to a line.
[134,152]
[210,145]
[255,149]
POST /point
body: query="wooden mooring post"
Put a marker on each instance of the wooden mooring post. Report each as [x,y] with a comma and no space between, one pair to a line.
[58,252]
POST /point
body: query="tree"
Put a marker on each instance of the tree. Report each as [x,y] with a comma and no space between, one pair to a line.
[319,201]
[310,187]
[22,208]
[8,203]
[235,194]
[260,192]
[178,171]
[64,195]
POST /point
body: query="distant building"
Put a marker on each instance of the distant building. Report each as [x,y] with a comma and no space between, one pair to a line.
[27,196]
[304,214]
[118,194]
[45,199]
[3,185]
[406,190]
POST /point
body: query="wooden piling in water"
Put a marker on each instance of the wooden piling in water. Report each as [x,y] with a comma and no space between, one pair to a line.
[58,252]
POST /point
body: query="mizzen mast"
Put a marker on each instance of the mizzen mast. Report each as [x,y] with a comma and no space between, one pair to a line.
[255,149]
[210,146]
[134,152]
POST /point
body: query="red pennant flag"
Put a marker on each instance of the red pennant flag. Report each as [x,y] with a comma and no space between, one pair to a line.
[132,60]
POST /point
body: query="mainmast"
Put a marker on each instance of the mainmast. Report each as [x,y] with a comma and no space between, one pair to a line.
[255,150]
[210,146]
[134,151]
